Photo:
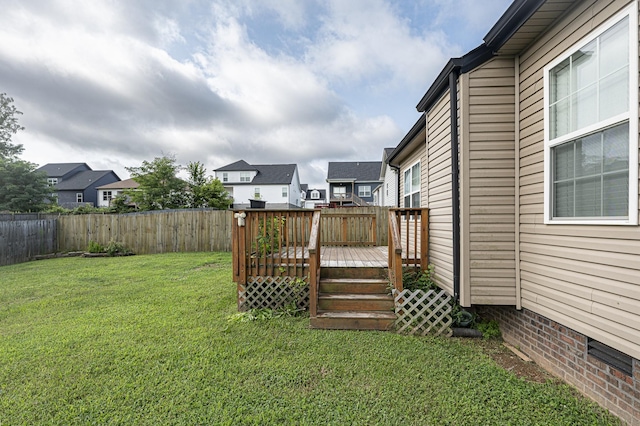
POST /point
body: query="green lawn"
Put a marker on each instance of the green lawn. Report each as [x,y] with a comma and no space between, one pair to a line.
[146,340]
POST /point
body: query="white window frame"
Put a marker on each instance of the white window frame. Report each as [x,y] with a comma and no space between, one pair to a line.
[285,192]
[315,195]
[225,177]
[79,197]
[364,191]
[631,117]
[339,192]
[245,177]
[52,181]
[256,193]
[412,191]
[107,195]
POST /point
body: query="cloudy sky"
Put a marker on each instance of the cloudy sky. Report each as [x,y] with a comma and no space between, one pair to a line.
[115,82]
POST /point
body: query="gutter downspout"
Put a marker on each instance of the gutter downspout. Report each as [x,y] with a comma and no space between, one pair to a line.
[397,170]
[455,180]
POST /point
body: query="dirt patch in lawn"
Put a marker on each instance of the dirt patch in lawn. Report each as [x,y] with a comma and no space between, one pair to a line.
[508,360]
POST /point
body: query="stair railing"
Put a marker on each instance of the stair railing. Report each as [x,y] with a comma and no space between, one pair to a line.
[314,264]
[395,253]
[408,242]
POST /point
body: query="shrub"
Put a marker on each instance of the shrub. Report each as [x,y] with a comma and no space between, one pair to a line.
[95,247]
[490,329]
[415,279]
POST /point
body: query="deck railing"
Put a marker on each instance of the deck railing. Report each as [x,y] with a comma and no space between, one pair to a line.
[348,229]
[314,264]
[348,198]
[408,242]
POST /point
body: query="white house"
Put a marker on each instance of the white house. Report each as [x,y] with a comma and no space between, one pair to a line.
[278,185]
[106,193]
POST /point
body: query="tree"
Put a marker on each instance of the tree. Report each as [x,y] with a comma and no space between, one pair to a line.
[206,191]
[159,187]
[9,126]
[22,188]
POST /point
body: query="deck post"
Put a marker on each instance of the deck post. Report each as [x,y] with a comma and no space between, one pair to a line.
[424,239]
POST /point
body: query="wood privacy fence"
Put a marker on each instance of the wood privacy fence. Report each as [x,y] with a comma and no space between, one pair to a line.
[20,240]
[149,232]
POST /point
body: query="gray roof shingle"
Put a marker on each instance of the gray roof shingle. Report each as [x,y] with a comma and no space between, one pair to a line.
[238,166]
[60,169]
[83,180]
[360,171]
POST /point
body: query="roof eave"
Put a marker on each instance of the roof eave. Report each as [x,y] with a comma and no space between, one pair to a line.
[515,16]
[415,130]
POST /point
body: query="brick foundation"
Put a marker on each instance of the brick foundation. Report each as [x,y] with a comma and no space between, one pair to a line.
[563,352]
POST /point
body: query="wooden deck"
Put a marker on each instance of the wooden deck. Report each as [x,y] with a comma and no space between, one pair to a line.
[354,257]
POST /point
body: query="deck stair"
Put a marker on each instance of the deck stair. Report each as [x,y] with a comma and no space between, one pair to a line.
[354,299]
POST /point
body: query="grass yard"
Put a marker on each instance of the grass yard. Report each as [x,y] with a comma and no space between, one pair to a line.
[146,340]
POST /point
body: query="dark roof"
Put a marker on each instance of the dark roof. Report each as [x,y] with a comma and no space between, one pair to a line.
[388,151]
[238,166]
[359,171]
[83,180]
[304,186]
[274,174]
[60,169]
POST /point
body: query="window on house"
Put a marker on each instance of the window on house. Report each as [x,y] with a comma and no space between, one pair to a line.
[340,192]
[256,193]
[285,192]
[364,191]
[79,197]
[590,138]
[107,195]
[315,195]
[412,186]
[52,181]
[245,177]
[225,177]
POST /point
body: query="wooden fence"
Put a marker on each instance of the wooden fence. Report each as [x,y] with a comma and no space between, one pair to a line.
[20,240]
[149,232]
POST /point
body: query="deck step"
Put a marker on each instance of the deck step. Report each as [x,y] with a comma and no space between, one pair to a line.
[360,272]
[354,285]
[355,302]
[351,320]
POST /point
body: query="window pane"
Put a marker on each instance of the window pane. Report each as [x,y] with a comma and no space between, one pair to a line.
[415,178]
[563,161]
[616,194]
[560,81]
[584,67]
[559,117]
[588,197]
[584,108]
[563,199]
[616,148]
[614,48]
[407,201]
[614,94]
[407,181]
[415,199]
[589,155]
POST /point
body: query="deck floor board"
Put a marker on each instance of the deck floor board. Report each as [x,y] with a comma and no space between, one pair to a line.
[355,257]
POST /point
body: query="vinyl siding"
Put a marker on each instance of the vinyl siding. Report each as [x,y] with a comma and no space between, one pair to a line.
[419,154]
[437,179]
[488,194]
[586,277]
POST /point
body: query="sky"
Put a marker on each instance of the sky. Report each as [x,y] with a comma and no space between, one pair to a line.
[112,83]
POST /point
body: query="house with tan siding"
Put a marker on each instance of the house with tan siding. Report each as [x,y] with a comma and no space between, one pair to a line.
[528,153]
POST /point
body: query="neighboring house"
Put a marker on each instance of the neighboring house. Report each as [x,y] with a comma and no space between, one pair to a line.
[527,157]
[386,194]
[313,197]
[82,187]
[352,183]
[278,185]
[108,192]
[58,172]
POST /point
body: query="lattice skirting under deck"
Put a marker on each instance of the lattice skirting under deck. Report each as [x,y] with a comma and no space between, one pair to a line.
[420,312]
[273,293]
